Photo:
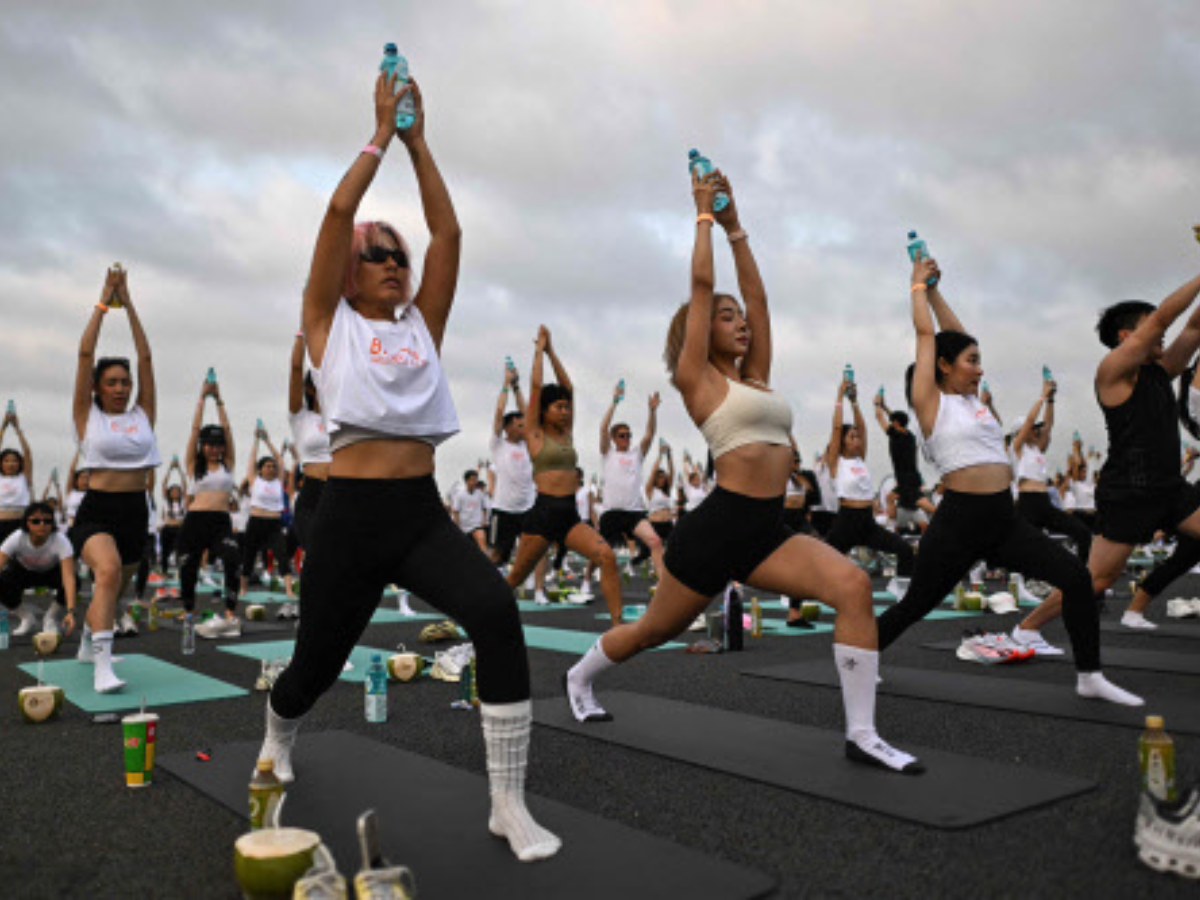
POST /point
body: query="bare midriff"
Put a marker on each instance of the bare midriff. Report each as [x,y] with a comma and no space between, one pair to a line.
[319,471]
[755,470]
[117,481]
[1032,486]
[209,501]
[990,478]
[384,458]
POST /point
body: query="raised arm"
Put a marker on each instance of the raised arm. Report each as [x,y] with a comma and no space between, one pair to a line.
[756,364]
[606,422]
[651,424]
[510,380]
[223,418]
[947,320]
[296,376]
[197,421]
[331,255]
[1122,362]
[533,413]
[859,423]
[275,455]
[1183,348]
[882,416]
[925,393]
[147,396]
[835,437]
[25,452]
[1048,417]
[693,358]
[560,373]
[985,397]
[649,489]
[1026,430]
[252,460]
[82,405]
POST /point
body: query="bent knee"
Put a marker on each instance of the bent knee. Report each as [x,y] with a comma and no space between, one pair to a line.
[605,556]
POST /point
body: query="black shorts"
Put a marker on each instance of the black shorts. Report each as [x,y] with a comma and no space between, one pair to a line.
[1135,521]
[506,527]
[617,525]
[552,518]
[123,515]
[724,539]
[663,530]
[797,520]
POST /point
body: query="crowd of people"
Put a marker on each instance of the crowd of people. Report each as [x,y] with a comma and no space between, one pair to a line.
[369,402]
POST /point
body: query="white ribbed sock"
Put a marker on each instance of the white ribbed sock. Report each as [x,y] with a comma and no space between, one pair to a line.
[506,728]
[104,679]
[579,685]
[858,671]
[1095,686]
[278,744]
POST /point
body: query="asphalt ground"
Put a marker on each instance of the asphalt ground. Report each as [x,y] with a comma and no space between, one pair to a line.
[70,827]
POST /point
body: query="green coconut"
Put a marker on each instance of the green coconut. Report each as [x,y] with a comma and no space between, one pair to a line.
[268,863]
[973,601]
[46,642]
[256,612]
[810,611]
[405,666]
[40,703]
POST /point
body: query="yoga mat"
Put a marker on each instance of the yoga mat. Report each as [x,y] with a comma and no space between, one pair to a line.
[1013,694]
[955,791]
[1167,629]
[161,683]
[270,625]
[532,606]
[1114,657]
[383,616]
[360,657]
[565,641]
[433,819]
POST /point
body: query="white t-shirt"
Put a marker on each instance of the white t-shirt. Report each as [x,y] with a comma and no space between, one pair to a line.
[694,495]
[309,438]
[515,490]
[19,546]
[14,492]
[623,481]
[659,501]
[854,480]
[583,503]
[124,441]
[267,495]
[471,508]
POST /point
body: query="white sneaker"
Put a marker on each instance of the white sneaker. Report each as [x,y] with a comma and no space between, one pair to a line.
[978,573]
[28,621]
[1023,595]
[207,580]
[1033,640]
[451,662]
[126,625]
[1181,609]
[1168,835]
[541,599]
[220,627]
[1137,621]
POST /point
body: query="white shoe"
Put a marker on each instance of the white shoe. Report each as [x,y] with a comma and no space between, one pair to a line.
[978,573]
[699,623]
[450,663]
[897,587]
[1137,621]
[207,580]
[28,621]
[1182,609]
[220,627]
[402,605]
[541,599]
[530,584]
[126,625]
[1033,640]
[1167,835]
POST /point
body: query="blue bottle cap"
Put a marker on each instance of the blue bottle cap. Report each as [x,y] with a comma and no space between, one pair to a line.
[390,48]
[375,657]
[912,235]
[693,153]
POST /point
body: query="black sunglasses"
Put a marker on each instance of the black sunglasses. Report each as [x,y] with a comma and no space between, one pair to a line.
[379,255]
[40,521]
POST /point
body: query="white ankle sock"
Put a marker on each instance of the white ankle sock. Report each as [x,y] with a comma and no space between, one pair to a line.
[278,744]
[104,679]
[579,684]
[858,671]
[506,728]
[1096,687]
[1131,619]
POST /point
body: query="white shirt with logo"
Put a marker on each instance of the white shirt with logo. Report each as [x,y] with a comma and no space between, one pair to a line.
[623,481]
[20,546]
[471,508]
[515,490]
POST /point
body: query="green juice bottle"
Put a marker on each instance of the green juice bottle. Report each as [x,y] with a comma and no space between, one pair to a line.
[1156,754]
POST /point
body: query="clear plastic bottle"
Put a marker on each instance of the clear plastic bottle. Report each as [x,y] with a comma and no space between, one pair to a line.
[3,629]
[266,793]
[188,642]
[918,249]
[701,165]
[848,374]
[375,688]
[1047,375]
[395,64]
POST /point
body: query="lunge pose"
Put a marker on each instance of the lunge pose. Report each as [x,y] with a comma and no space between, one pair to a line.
[907,506]
[1033,476]
[624,517]
[375,348]
[720,360]
[977,518]
[207,526]
[118,448]
[264,528]
[554,518]
[470,510]
[855,525]
[16,478]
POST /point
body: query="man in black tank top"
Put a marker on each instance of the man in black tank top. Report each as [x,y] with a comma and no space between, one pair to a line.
[1140,489]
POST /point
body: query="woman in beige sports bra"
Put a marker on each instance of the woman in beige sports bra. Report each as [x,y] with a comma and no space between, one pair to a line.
[720,360]
[554,518]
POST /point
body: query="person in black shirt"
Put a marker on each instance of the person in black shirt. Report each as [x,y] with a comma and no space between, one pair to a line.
[1140,489]
[902,447]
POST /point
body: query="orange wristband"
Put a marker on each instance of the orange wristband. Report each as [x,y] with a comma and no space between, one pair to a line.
[920,286]
[102,307]
[706,217]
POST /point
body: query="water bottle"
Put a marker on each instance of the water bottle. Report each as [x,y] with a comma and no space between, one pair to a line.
[114,302]
[734,626]
[395,64]
[848,374]
[211,377]
[918,249]
[701,166]
[375,687]
[3,629]
[188,645]
[620,390]
[880,394]
[12,407]
[1047,375]
[1077,437]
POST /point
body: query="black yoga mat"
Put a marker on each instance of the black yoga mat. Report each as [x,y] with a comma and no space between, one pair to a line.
[1014,694]
[1114,657]
[954,792]
[1165,629]
[433,819]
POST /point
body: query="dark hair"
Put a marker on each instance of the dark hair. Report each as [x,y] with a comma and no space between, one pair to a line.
[613,429]
[900,418]
[1120,317]
[310,390]
[949,345]
[469,474]
[36,507]
[103,365]
[213,435]
[846,426]
[78,473]
[552,393]
[4,454]
[511,417]
[262,461]
[1185,412]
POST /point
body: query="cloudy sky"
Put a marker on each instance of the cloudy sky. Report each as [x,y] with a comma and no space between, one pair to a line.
[1048,152]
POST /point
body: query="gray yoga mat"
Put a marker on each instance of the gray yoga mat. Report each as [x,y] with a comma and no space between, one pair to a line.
[433,819]
[955,791]
[1164,630]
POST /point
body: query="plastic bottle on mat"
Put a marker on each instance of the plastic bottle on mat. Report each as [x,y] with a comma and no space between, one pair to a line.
[188,641]
[395,64]
[701,165]
[375,688]
[3,629]
[1156,754]
[266,792]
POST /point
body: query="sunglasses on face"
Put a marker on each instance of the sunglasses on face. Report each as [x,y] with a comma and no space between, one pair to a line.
[621,434]
[379,255]
[40,521]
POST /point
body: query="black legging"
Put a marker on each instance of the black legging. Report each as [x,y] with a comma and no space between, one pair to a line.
[212,531]
[1174,567]
[1037,509]
[354,556]
[970,527]
[856,527]
[306,509]
[149,555]
[167,539]
[15,579]
[663,530]
[262,534]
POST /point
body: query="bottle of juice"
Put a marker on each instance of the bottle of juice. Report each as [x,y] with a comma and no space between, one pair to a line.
[1156,754]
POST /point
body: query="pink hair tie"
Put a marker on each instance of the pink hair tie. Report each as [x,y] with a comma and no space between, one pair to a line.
[373,150]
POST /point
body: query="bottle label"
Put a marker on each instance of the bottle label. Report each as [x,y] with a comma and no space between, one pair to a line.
[1156,774]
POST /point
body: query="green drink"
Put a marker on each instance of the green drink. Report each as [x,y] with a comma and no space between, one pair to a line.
[1156,754]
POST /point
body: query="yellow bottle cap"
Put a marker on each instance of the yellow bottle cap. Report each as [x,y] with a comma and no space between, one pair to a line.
[1154,721]
[266,765]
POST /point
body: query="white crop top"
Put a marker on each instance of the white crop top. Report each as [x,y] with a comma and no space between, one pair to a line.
[309,438]
[1084,493]
[965,434]
[384,376]
[14,492]
[267,495]
[219,480]
[1031,465]
[747,416]
[854,480]
[659,502]
[124,441]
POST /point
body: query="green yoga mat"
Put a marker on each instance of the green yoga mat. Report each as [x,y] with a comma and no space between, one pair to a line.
[531,606]
[565,641]
[383,616]
[161,683]
[360,657]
